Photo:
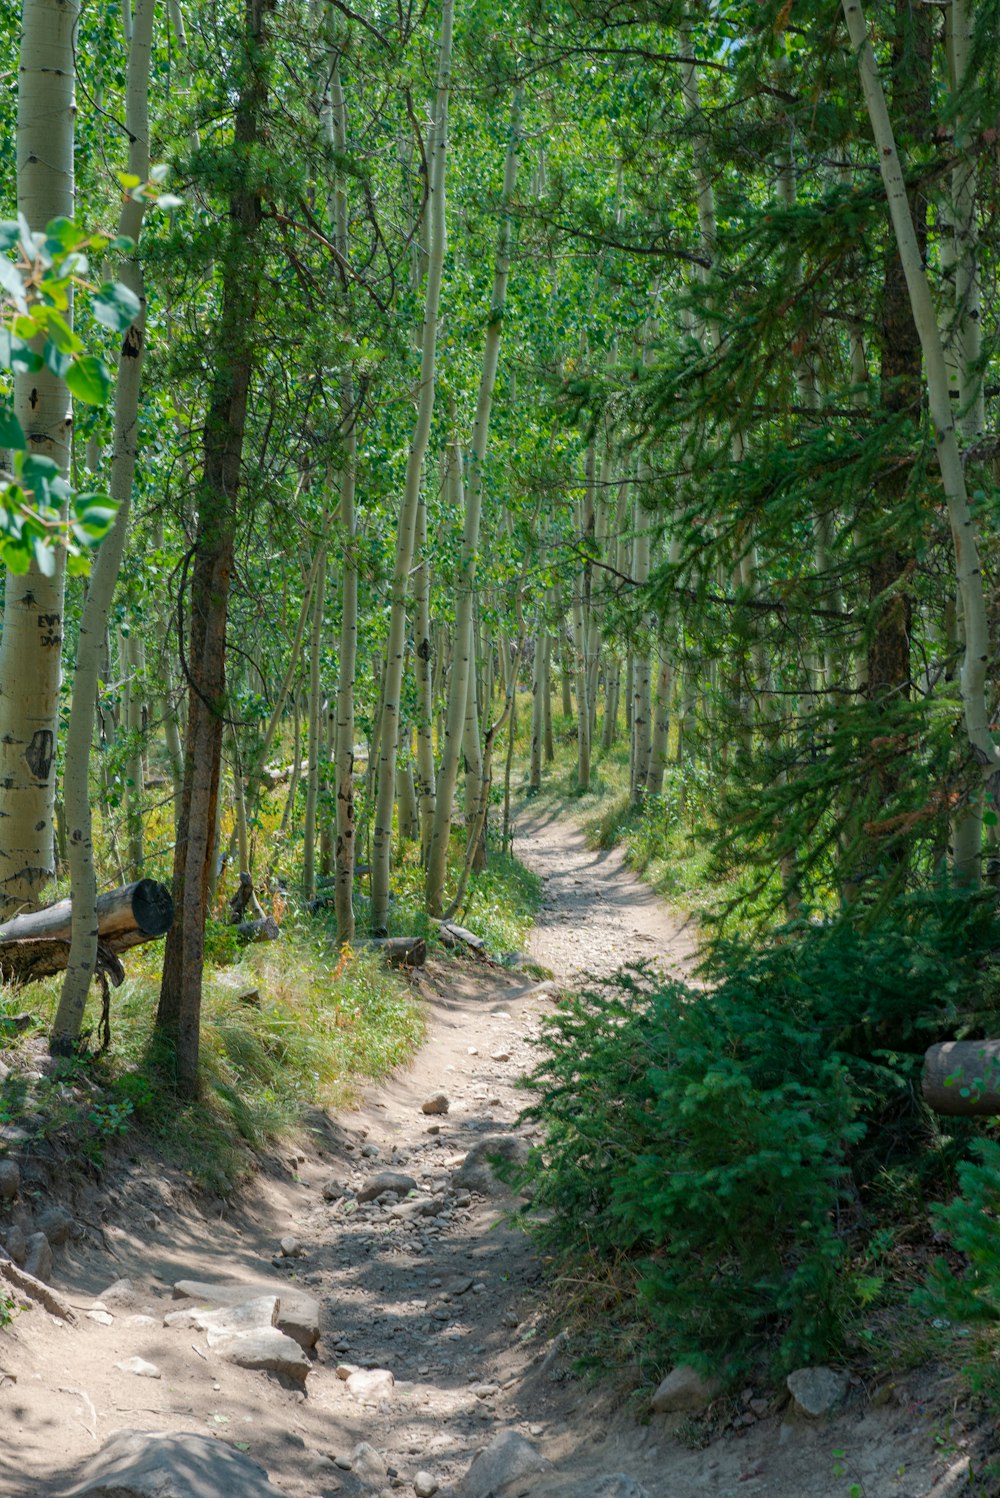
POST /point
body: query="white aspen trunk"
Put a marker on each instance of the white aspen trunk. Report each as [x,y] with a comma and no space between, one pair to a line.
[459,690]
[91,648]
[424,668]
[565,670]
[540,694]
[977,653]
[641,739]
[382,833]
[582,704]
[33,603]
[661,725]
[550,748]
[133,657]
[458,696]
[293,779]
[406,795]
[472,751]
[334,114]
[317,726]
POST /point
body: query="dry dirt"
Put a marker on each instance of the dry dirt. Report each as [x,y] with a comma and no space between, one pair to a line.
[385,1295]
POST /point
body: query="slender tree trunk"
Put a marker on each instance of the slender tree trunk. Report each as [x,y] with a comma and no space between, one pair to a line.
[33,603]
[459,688]
[92,644]
[539,697]
[395,649]
[550,748]
[316,732]
[179,1014]
[978,652]
[132,654]
[424,665]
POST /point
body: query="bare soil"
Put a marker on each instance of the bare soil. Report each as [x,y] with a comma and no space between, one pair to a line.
[467,1361]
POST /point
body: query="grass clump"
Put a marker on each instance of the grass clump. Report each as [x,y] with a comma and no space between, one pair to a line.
[728,1173]
[285,1025]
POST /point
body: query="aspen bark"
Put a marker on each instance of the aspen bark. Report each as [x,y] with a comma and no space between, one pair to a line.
[344,848]
[33,602]
[90,656]
[316,728]
[459,689]
[540,693]
[133,656]
[386,785]
[424,667]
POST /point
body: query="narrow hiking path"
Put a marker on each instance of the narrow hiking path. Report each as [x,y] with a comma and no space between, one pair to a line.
[596,915]
[434,1332]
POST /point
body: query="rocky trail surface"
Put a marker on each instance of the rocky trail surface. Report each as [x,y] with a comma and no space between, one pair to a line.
[365,1321]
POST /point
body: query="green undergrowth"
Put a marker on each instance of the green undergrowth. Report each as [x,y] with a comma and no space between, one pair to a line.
[740,1176]
[500,903]
[285,1025]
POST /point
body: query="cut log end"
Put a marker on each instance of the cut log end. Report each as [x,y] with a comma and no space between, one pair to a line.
[153,907]
[961,1078]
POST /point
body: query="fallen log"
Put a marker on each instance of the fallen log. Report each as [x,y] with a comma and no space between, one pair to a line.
[266,929]
[457,936]
[974,1069]
[400,951]
[36,945]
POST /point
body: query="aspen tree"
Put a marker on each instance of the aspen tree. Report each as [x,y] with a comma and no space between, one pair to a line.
[406,531]
[462,678]
[91,647]
[33,601]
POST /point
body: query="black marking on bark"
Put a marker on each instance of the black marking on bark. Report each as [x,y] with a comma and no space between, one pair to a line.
[40,752]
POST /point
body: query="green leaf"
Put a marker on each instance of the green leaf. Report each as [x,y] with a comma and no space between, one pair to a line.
[115,306]
[60,364]
[44,554]
[168,200]
[89,381]
[59,330]
[160,172]
[11,430]
[13,283]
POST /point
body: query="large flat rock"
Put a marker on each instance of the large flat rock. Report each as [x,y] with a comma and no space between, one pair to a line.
[151,1464]
[263,1348]
[298,1312]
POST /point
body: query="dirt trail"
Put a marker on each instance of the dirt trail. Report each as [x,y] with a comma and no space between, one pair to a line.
[450,1302]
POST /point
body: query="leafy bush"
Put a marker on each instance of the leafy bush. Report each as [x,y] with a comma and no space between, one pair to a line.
[728,1146]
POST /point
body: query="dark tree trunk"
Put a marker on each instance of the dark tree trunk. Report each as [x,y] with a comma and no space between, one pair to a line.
[889,582]
[179,1015]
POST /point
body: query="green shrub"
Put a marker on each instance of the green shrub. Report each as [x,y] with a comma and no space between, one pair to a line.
[731,1147]
[965,1292]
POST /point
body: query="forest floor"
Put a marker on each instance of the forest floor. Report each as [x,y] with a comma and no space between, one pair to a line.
[452,1304]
